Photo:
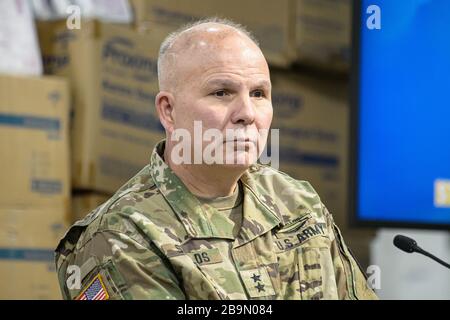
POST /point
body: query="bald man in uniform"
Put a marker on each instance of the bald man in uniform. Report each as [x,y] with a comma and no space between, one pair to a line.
[210,230]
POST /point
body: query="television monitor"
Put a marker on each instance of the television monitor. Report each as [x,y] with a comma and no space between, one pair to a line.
[400,135]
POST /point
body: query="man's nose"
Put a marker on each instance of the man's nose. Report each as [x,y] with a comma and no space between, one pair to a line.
[244,111]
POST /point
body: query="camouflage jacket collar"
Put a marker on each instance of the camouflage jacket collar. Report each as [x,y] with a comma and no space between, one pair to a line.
[206,222]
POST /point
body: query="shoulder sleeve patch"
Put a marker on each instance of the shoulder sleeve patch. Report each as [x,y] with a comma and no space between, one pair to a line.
[95,290]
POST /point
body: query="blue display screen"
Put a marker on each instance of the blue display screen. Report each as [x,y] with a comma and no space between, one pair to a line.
[403,149]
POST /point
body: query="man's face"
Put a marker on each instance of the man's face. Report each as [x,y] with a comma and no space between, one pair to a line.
[225,84]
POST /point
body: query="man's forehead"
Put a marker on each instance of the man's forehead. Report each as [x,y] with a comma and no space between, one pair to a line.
[216,49]
[213,47]
[221,66]
[209,30]
[208,36]
[222,81]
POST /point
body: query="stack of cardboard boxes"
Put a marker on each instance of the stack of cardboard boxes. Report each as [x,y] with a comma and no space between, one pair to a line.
[34,161]
[270,21]
[112,71]
[311,32]
[100,87]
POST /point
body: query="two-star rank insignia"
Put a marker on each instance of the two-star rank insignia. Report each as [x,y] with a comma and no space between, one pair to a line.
[257,282]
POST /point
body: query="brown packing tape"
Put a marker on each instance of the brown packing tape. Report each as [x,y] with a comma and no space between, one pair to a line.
[85,88]
[67,205]
[92,173]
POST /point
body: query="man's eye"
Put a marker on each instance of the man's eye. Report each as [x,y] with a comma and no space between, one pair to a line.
[220,93]
[257,94]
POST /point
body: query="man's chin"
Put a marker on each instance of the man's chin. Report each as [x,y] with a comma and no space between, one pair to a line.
[236,166]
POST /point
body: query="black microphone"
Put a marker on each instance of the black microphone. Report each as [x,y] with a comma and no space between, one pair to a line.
[410,245]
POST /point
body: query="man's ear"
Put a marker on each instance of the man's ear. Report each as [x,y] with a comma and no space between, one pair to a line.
[164,106]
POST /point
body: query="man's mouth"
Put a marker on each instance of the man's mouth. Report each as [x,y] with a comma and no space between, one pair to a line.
[246,141]
[241,140]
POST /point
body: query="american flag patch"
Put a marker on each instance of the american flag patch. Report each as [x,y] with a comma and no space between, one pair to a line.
[94,291]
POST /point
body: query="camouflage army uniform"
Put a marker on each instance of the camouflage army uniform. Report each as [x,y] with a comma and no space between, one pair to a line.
[154,240]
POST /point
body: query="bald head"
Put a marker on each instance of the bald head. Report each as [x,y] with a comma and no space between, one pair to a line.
[199,43]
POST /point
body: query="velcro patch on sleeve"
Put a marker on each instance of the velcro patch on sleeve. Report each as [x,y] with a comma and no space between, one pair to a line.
[95,290]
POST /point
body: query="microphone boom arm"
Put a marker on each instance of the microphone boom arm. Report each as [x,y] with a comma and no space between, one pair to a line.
[429,255]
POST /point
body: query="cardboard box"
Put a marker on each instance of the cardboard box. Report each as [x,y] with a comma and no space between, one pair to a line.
[54,41]
[19,47]
[113,75]
[312,115]
[28,238]
[84,203]
[270,21]
[34,150]
[323,33]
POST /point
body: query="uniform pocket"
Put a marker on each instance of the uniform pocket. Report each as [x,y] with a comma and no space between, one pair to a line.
[316,273]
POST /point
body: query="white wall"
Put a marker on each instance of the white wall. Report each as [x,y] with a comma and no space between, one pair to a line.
[412,275]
